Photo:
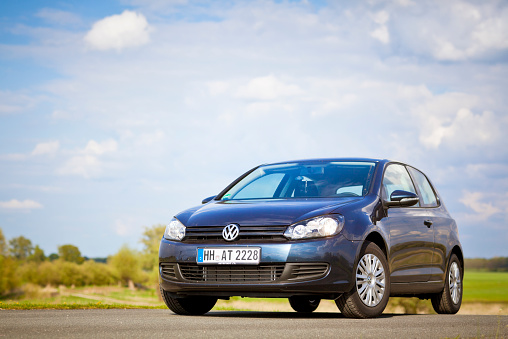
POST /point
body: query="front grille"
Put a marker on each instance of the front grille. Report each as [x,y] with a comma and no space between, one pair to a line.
[168,271]
[308,271]
[214,233]
[231,274]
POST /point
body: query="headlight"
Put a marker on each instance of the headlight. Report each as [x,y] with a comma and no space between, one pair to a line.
[175,230]
[315,227]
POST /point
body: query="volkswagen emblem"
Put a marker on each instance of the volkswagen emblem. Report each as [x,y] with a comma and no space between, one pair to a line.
[230,232]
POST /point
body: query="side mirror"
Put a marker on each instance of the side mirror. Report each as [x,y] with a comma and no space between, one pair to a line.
[205,200]
[400,198]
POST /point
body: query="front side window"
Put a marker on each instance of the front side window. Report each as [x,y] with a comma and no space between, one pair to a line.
[396,178]
[320,179]
[427,194]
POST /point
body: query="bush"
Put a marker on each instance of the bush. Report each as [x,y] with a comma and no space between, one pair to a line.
[127,266]
[8,276]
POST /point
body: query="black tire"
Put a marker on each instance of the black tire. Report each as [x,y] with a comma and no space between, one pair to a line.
[304,304]
[354,304]
[447,302]
[188,305]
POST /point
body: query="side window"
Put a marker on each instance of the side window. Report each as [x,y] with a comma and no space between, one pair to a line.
[426,192]
[395,178]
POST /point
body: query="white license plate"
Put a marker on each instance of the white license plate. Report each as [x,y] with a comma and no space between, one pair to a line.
[229,255]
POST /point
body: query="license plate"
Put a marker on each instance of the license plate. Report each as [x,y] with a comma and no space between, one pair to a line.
[229,255]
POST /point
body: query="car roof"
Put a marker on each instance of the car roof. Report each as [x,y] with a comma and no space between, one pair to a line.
[332,159]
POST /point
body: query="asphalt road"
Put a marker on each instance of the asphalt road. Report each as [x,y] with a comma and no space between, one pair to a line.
[222,324]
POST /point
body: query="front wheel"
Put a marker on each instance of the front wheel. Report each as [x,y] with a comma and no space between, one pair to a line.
[188,305]
[369,296]
[303,304]
[449,300]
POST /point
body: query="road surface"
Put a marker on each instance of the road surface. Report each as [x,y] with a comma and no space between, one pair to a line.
[142,323]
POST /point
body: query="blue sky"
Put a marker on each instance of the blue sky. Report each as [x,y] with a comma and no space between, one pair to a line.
[118,115]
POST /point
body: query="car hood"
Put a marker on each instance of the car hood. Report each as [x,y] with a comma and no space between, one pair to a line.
[259,212]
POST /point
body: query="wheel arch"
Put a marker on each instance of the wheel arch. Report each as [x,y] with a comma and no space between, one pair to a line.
[378,239]
[458,252]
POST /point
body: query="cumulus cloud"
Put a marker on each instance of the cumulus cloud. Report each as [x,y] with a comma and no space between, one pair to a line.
[381,32]
[129,29]
[454,30]
[267,88]
[15,204]
[464,130]
[87,162]
[474,201]
[95,148]
[46,148]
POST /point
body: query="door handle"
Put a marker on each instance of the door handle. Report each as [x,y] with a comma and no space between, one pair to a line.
[428,223]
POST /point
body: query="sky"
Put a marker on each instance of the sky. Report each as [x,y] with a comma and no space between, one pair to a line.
[117,115]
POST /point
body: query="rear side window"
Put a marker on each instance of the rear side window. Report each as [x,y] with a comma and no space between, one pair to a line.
[427,194]
[397,178]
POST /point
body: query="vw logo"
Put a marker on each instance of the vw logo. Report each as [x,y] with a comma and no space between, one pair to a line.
[230,232]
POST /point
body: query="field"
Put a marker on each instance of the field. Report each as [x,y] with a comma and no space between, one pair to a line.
[485,286]
[484,293]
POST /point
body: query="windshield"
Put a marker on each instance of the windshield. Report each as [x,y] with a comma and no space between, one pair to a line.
[305,180]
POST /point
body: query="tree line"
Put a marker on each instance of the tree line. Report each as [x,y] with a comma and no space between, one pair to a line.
[497,264]
[21,262]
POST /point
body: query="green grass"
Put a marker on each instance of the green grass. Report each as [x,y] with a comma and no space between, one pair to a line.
[34,305]
[480,286]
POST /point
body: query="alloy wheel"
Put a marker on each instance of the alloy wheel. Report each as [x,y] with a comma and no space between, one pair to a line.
[370,280]
[455,282]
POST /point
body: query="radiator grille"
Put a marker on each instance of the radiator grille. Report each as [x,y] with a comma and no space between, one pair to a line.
[231,273]
[214,233]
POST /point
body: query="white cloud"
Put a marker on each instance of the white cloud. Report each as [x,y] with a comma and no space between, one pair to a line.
[129,29]
[483,210]
[95,148]
[15,204]
[15,102]
[267,88]
[381,33]
[466,129]
[453,30]
[125,228]
[46,148]
[56,16]
[87,162]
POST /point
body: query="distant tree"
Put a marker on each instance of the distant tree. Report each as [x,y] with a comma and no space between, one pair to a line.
[38,255]
[70,253]
[21,248]
[3,244]
[151,239]
[127,265]
[53,256]
[8,274]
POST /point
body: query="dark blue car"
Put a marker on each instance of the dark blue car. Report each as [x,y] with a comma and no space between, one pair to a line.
[356,231]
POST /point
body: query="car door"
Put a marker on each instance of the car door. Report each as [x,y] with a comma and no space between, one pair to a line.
[411,242]
[437,218]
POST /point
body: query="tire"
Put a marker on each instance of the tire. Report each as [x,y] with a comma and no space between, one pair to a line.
[304,304]
[449,300]
[371,291]
[188,305]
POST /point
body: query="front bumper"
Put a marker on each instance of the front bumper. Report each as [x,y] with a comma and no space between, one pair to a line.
[321,267]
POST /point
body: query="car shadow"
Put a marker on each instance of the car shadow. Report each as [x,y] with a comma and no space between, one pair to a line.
[294,315]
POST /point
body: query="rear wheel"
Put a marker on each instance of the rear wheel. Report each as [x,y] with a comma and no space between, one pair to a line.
[369,296]
[449,300]
[304,304]
[188,305]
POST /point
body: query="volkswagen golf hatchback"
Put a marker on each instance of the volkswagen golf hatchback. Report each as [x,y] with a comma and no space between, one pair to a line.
[356,231]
